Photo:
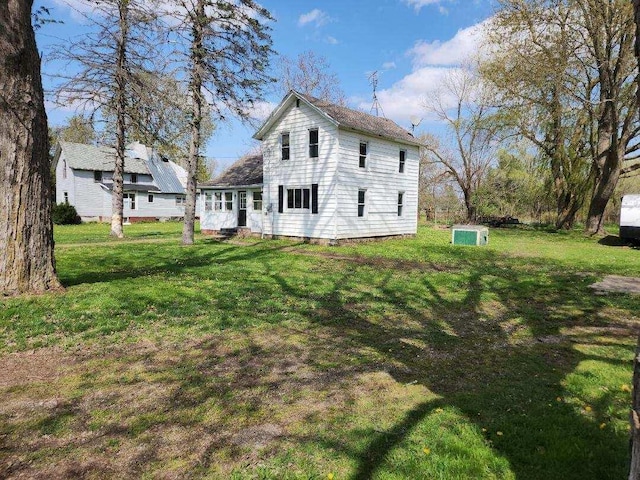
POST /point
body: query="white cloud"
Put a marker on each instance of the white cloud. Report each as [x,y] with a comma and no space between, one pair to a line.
[418,4]
[451,52]
[407,96]
[315,16]
[388,65]
[332,40]
[432,62]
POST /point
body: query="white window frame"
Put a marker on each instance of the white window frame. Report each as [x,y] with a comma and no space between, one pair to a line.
[208,201]
[362,205]
[228,201]
[314,145]
[130,200]
[150,198]
[181,200]
[257,207]
[363,160]
[287,146]
[402,159]
[400,203]
[217,201]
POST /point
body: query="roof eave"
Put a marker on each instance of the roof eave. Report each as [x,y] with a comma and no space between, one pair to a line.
[415,143]
[222,187]
[277,113]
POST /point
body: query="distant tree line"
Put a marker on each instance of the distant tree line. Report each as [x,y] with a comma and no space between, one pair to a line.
[545,123]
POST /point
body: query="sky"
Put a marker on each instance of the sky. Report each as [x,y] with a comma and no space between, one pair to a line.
[410,43]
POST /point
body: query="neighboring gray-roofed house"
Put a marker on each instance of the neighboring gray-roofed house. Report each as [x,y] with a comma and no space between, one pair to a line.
[328,172]
[154,187]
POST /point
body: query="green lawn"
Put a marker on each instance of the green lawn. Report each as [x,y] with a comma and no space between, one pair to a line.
[273,359]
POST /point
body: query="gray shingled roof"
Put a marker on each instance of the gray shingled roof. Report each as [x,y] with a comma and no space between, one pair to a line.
[246,171]
[90,157]
[363,122]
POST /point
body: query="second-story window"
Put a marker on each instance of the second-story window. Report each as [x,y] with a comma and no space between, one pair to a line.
[403,158]
[97,176]
[363,155]
[400,203]
[134,178]
[361,195]
[286,146]
[313,143]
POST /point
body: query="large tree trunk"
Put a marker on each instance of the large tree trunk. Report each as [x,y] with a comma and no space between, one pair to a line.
[117,202]
[195,88]
[26,233]
[634,472]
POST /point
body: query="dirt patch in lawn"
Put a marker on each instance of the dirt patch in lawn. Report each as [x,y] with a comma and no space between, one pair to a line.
[378,262]
[22,368]
[617,284]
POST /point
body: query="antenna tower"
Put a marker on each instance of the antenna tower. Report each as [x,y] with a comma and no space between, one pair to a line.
[376,107]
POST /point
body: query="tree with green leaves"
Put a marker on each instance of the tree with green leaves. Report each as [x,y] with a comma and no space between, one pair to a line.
[225,48]
[27,262]
[563,77]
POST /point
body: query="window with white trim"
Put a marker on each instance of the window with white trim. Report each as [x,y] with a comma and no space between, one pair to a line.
[403,159]
[181,200]
[66,197]
[400,203]
[64,169]
[313,142]
[285,145]
[257,201]
[150,198]
[363,155]
[361,204]
[134,178]
[129,200]
[97,176]
[217,201]
[207,202]
[228,201]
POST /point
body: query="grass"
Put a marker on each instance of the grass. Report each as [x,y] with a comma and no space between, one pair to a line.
[272,359]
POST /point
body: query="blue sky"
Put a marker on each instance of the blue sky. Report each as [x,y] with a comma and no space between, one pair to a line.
[411,43]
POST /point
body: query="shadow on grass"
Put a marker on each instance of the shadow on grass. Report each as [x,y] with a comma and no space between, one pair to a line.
[453,331]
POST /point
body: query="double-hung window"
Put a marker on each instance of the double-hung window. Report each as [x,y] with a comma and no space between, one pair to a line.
[313,143]
[257,201]
[134,178]
[217,201]
[207,202]
[403,158]
[298,198]
[285,142]
[150,198]
[181,200]
[400,203]
[228,201]
[129,200]
[361,197]
[363,155]
[97,176]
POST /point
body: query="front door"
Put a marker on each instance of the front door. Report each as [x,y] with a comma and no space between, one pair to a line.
[242,209]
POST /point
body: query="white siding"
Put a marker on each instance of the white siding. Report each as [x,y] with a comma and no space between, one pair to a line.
[300,171]
[223,219]
[382,181]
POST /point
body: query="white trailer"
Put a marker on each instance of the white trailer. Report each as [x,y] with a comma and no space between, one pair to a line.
[630,217]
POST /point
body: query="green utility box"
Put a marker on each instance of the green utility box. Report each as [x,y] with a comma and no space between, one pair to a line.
[469,235]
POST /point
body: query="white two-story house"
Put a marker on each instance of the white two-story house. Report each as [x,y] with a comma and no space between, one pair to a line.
[154,187]
[328,172]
